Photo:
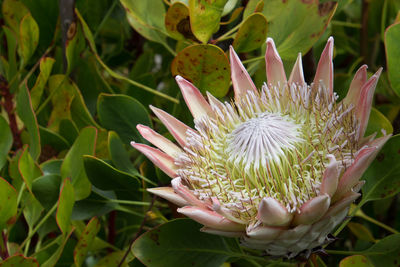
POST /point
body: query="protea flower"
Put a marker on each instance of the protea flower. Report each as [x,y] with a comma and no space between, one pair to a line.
[278,167]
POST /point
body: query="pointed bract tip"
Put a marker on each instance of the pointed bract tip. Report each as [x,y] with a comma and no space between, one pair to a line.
[179,78]
[133,143]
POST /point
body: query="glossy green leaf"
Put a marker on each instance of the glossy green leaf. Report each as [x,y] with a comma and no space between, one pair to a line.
[65,205]
[67,103]
[46,189]
[378,122]
[52,141]
[251,34]
[122,113]
[147,18]
[52,166]
[383,176]
[119,155]
[6,141]
[19,261]
[11,65]
[392,37]
[28,168]
[361,232]
[27,115]
[177,22]
[85,241]
[8,202]
[46,65]
[180,243]
[296,25]
[106,177]
[386,252]
[68,130]
[13,13]
[72,167]
[206,66]
[205,16]
[356,261]
[28,37]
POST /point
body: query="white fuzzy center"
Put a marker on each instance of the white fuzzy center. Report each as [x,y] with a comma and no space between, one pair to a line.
[262,139]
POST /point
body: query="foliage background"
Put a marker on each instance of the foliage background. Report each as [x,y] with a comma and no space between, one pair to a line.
[77,77]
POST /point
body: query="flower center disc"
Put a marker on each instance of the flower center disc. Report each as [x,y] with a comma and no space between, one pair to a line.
[263,139]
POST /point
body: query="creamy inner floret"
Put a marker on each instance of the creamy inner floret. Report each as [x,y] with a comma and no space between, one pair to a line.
[270,144]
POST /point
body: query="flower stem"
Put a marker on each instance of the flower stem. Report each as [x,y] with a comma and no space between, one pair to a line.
[378,223]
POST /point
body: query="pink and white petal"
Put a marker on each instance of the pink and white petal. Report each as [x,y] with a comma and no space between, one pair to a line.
[324,73]
[169,194]
[158,140]
[214,102]
[263,232]
[360,78]
[353,174]
[342,204]
[241,80]
[363,107]
[272,213]
[379,142]
[274,66]
[187,194]
[293,235]
[211,219]
[174,126]
[330,179]
[159,158]
[198,106]
[213,231]
[297,75]
[312,210]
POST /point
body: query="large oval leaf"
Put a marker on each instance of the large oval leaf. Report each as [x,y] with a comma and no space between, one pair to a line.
[252,34]
[8,202]
[392,39]
[206,66]
[122,113]
[205,16]
[180,243]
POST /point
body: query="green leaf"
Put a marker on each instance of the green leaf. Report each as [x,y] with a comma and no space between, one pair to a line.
[122,113]
[72,167]
[32,210]
[28,38]
[8,202]
[206,66]
[20,261]
[378,122]
[106,177]
[46,189]
[27,115]
[177,22]
[251,34]
[52,140]
[392,38]
[85,241]
[147,18]
[383,176]
[11,68]
[28,168]
[6,141]
[355,261]
[386,252]
[13,12]
[296,25]
[362,232]
[65,206]
[119,155]
[46,65]
[205,16]
[67,103]
[180,243]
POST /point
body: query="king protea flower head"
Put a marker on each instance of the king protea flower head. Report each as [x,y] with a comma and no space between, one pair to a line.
[277,167]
